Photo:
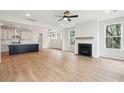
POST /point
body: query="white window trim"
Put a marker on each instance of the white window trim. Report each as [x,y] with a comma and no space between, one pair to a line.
[121,47]
[55,32]
[69,37]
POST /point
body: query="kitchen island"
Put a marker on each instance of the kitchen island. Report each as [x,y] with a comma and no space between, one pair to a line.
[23,48]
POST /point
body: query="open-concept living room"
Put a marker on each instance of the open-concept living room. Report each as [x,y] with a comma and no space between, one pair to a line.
[61,45]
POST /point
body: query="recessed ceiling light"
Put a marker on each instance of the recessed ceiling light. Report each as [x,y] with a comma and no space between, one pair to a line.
[107,11]
[27,14]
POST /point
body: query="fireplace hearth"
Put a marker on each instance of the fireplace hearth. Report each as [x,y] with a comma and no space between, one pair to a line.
[85,49]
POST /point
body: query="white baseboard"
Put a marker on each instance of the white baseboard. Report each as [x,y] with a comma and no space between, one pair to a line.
[96,56]
[112,58]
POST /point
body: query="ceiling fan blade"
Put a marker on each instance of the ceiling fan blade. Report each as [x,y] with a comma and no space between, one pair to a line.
[60,19]
[72,16]
[58,16]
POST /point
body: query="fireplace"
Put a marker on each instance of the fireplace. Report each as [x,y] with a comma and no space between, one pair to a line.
[85,49]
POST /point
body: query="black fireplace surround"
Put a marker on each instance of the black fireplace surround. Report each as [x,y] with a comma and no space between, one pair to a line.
[85,49]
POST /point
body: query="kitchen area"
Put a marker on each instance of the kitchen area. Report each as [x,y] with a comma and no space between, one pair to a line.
[17,40]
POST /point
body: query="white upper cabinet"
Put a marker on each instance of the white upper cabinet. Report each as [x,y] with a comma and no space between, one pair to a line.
[23,35]
[18,32]
[3,34]
[29,35]
[26,35]
[10,34]
[7,33]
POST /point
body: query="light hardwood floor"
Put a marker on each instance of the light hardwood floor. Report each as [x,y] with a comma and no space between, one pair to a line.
[54,65]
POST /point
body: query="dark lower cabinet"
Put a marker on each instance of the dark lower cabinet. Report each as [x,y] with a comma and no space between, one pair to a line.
[23,48]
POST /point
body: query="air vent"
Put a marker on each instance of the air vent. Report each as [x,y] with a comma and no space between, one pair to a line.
[30,19]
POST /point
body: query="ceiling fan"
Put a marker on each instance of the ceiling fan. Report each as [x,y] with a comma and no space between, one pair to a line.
[67,16]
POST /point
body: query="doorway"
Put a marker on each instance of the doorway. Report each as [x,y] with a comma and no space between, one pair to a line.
[40,40]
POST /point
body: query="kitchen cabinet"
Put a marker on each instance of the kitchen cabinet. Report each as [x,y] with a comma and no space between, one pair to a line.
[29,35]
[26,35]
[3,34]
[18,32]
[23,35]
[10,34]
[23,48]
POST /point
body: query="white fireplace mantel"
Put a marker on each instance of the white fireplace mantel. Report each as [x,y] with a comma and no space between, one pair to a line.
[84,38]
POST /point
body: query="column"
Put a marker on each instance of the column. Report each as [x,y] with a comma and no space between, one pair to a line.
[0,42]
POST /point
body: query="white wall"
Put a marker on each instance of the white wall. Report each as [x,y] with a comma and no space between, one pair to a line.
[45,39]
[88,29]
[65,41]
[0,42]
[55,43]
[66,45]
[35,37]
[117,54]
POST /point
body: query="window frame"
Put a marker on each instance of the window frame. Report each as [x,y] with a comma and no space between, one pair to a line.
[69,37]
[55,33]
[121,36]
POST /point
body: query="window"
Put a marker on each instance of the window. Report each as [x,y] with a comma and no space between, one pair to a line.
[55,35]
[113,36]
[49,35]
[72,37]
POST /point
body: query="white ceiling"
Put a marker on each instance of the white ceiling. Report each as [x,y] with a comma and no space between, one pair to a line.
[23,26]
[48,16]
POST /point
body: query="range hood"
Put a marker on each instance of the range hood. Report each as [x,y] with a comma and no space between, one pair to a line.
[16,38]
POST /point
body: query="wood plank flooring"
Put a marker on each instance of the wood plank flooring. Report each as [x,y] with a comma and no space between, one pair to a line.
[50,65]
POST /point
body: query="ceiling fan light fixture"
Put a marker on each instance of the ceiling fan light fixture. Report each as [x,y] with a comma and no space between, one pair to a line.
[65,19]
[67,16]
